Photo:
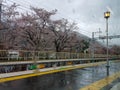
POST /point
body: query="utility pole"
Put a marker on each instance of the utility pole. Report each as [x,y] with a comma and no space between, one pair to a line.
[93,51]
[0,20]
[0,9]
[93,42]
[1,27]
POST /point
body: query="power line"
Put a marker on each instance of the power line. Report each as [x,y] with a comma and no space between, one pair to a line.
[110,37]
[21,7]
[26,8]
[20,4]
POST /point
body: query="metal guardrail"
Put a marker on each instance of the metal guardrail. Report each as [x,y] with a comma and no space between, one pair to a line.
[22,55]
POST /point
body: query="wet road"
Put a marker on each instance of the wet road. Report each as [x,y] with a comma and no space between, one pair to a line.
[68,80]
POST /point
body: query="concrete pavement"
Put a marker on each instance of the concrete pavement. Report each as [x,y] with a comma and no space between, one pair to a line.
[116,87]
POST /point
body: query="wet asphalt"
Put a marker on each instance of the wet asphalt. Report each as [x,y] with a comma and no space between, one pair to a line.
[68,80]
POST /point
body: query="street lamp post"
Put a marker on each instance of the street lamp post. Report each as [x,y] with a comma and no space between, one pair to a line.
[106,16]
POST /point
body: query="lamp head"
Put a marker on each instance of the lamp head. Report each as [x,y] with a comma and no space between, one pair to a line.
[107,14]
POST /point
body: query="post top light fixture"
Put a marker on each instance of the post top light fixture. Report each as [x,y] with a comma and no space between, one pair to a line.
[107,14]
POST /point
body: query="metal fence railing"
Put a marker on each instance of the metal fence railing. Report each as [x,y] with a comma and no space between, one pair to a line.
[22,55]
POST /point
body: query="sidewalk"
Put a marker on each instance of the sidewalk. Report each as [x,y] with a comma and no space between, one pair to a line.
[116,87]
[100,84]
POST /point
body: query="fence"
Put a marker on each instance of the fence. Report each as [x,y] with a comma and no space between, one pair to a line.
[23,55]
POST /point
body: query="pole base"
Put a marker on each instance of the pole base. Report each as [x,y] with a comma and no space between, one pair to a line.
[107,67]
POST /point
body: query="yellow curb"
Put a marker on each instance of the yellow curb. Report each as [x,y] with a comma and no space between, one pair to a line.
[98,85]
[47,72]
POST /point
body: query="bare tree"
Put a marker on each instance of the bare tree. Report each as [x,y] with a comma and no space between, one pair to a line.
[9,25]
[62,30]
[35,28]
[36,31]
[115,50]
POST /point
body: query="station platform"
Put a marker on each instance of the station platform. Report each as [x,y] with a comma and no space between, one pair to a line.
[116,87]
[104,84]
[38,72]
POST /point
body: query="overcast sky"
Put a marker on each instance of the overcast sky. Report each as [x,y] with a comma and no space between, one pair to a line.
[89,14]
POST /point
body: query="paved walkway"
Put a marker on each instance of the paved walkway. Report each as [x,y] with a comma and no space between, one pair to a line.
[37,72]
[116,87]
[98,85]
